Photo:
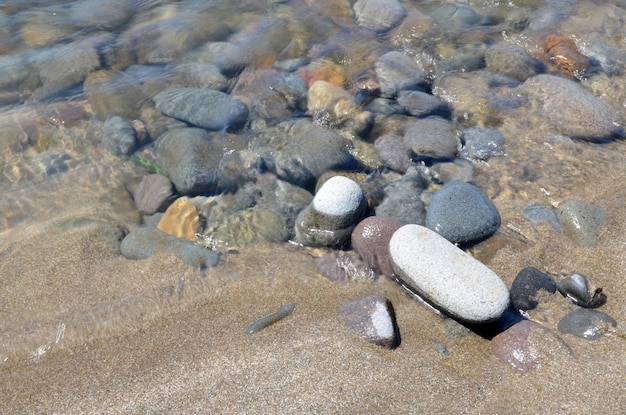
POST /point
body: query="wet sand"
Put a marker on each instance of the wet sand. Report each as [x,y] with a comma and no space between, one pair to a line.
[156,336]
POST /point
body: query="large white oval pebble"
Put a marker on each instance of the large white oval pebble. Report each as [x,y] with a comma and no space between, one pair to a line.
[445,276]
[338,196]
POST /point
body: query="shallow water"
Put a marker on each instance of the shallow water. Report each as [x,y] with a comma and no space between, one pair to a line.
[63,289]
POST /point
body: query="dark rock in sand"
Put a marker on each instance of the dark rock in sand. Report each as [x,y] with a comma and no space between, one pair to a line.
[587,324]
[206,108]
[373,318]
[145,242]
[579,290]
[526,287]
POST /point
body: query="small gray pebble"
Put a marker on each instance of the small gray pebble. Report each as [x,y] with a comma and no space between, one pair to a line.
[585,323]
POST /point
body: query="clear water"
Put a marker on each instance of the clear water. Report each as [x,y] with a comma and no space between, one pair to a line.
[52,166]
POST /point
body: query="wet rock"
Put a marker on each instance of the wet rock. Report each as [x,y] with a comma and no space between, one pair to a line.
[190,158]
[579,290]
[300,152]
[541,214]
[341,268]
[510,59]
[13,71]
[587,324]
[396,71]
[282,197]
[64,66]
[370,238]
[446,277]
[330,104]
[581,221]
[114,93]
[249,226]
[565,56]
[480,143]
[402,199]
[379,15]
[145,242]
[153,194]
[373,318]
[227,56]
[422,104]
[571,109]
[527,285]
[181,220]
[528,346]
[237,168]
[455,170]
[462,213]
[206,108]
[202,75]
[394,152]
[332,215]
[118,136]
[431,137]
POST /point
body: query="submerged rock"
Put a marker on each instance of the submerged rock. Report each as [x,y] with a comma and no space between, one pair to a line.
[581,221]
[379,15]
[580,291]
[526,287]
[446,277]
[370,238]
[587,324]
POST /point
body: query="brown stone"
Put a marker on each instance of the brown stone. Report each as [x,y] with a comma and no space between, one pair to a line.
[565,56]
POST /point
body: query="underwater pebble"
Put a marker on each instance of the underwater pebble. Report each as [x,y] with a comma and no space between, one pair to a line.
[190,158]
[585,323]
[527,346]
[445,276]
[510,59]
[370,238]
[181,219]
[571,109]
[480,143]
[118,136]
[267,321]
[402,198]
[153,194]
[373,318]
[432,137]
[332,215]
[379,15]
[579,290]
[581,221]
[206,108]
[422,104]
[341,268]
[396,71]
[527,285]
[541,214]
[145,242]
[462,213]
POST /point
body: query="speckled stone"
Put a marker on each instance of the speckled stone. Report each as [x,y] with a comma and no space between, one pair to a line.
[527,346]
[581,221]
[462,213]
[373,318]
[370,238]
[446,277]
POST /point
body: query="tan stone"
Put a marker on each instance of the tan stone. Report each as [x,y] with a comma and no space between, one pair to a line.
[181,219]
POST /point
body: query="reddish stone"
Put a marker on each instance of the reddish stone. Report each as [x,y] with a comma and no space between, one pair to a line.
[370,239]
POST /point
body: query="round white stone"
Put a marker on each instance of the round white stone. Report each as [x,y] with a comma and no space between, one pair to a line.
[446,276]
[338,196]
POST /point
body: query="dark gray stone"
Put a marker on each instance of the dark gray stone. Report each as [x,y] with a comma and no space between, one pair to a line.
[206,108]
[512,60]
[145,242]
[396,71]
[527,285]
[585,323]
[300,152]
[481,143]
[431,137]
[190,158]
[394,151]
[118,136]
[373,318]
[402,199]
[379,15]
[462,213]
[422,104]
